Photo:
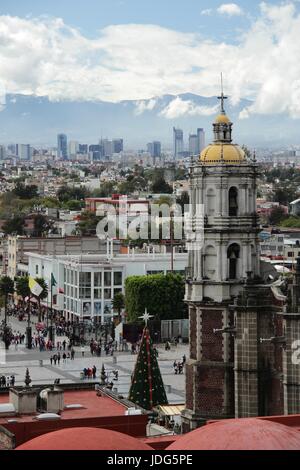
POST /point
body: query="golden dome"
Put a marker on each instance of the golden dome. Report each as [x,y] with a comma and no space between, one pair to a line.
[221,152]
[222,119]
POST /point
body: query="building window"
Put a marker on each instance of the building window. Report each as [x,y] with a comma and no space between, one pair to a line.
[107,294]
[97,293]
[233,202]
[85,285]
[107,279]
[118,278]
[97,279]
[290,254]
[233,254]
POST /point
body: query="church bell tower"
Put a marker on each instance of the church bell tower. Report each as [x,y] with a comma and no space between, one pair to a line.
[223,189]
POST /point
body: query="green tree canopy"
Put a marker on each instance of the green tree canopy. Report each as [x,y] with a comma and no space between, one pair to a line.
[119,302]
[161,294]
[107,188]
[41,224]
[22,287]
[25,192]
[14,226]
[277,215]
[160,186]
[66,193]
[88,223]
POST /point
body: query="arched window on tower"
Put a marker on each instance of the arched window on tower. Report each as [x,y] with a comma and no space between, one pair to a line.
[233,202]
[211,201]
[233,254]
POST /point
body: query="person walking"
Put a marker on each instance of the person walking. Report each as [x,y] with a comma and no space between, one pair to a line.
[64,357]
[72,354]
[55,359]
[51,360]
[94,370]
[58,358]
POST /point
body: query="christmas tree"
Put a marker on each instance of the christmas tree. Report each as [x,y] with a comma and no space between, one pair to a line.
[147,388]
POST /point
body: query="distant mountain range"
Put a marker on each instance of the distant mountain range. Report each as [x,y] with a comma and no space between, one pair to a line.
[37,120]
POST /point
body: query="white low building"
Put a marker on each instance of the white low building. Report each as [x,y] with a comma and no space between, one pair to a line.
[87,284]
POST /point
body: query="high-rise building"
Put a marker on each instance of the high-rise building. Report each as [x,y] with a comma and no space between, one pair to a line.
[197,142]
[23,151]
[201,138]
[73,148]
[118,145]
[107,147]
[154,148]
[193,144]
[62,146]
[2,152]
[96,152]
[83,148]
[177,142]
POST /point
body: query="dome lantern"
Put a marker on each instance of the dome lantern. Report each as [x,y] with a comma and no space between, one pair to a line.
[222,150]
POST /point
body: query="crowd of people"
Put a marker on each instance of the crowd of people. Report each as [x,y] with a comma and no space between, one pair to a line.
[8,381]
[90,372]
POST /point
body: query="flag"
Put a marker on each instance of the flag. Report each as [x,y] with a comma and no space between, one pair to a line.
[53,281]
[34,287]
[61,291]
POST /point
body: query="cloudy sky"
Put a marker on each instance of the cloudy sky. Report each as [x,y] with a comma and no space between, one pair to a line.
[136,49]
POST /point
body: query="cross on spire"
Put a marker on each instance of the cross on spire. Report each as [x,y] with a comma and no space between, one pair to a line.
[222,97]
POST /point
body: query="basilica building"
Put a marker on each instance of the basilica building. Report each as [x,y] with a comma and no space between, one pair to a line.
[244,319]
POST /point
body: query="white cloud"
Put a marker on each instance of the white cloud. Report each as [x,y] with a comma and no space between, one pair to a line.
[230,9]
[207,12]
[178,107]
[46,57]
[142,106]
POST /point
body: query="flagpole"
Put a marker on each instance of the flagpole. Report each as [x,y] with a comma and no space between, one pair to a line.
[51,313]
[28,329]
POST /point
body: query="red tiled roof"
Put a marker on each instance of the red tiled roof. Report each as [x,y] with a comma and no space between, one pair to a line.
[93,406]
[84,439]
[240,434]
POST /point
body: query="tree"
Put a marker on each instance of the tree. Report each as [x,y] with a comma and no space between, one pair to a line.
[147,388]
[41,225]
[126,187]
[106,190]
[160,186]
[14,226]
[88,223]
[161,294]
[43,295]
[284,195]
[66,193]
[6,289]
[119,303]
[183,199]
[22,287]
[277,215]
[25,192]
[73,205]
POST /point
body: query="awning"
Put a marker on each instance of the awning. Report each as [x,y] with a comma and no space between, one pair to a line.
[171,410]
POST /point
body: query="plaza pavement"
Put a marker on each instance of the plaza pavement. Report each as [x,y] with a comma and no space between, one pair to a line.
[15,361]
